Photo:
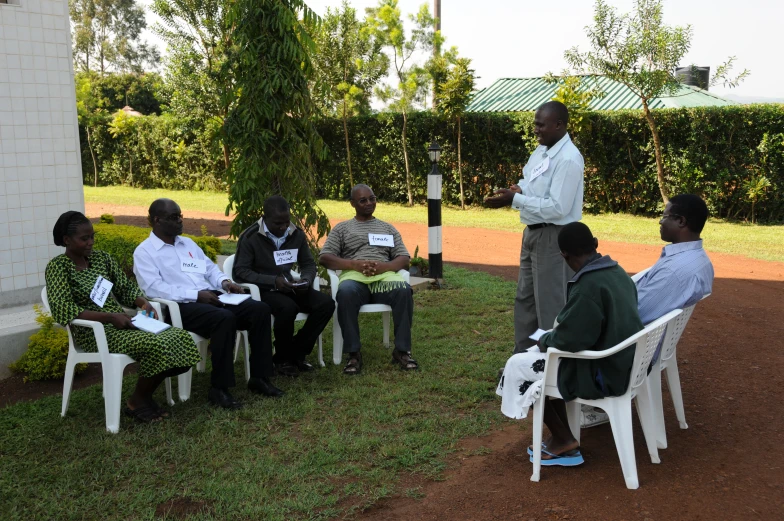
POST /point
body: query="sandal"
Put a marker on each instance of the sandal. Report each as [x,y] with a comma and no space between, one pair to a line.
[145,414]
[404,360]
[163,413]
[354,365]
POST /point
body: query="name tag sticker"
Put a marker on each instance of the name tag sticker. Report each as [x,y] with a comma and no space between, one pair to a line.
[100,291]
[193,266]
[381,240]
[285,257]
[540,168]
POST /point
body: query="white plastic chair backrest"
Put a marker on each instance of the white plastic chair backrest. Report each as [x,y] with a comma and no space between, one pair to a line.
[646,347]
[45,300]
[674,331]
[640,274]
[228,267]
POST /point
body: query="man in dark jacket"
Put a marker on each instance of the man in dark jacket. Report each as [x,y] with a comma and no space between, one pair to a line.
[600,312]
[266,252]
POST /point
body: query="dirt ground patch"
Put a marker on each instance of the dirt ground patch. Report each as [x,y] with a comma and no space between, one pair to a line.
[727,465]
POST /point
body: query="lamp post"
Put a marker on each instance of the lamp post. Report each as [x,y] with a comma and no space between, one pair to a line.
[435,259]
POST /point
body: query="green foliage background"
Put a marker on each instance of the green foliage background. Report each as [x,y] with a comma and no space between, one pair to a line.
[711,151]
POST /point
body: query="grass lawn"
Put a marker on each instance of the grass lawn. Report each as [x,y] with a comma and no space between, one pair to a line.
[333,445]
[756,241]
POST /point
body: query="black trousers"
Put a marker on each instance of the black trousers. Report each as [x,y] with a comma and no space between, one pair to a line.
[220,325]
[291,348]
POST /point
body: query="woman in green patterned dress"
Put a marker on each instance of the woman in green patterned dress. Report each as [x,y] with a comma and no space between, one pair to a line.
[70,280]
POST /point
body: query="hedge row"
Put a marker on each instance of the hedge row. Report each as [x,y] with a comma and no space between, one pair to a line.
[710,151]
[120,241]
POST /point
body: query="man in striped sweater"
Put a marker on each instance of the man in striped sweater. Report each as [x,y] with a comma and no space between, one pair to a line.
[370,252]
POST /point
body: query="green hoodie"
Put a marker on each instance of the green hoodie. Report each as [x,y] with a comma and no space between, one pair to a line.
[600,312]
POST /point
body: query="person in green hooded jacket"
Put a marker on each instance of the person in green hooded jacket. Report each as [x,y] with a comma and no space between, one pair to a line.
[600,312]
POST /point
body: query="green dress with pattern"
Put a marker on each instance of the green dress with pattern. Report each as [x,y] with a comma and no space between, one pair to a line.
[69,290]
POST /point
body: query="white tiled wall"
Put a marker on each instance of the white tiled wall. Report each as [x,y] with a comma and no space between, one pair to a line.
[40,167]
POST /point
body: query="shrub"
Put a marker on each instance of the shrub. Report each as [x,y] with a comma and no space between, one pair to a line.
[47,351]
[107,218]
[120,241]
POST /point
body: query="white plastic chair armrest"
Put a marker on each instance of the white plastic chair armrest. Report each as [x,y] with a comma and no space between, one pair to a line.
[637,276]
[100,334]
[334,280]
[174,310]
[255,294]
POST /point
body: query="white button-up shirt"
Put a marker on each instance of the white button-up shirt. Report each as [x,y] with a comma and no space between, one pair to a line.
[554,196]
[158,269]
[277,240]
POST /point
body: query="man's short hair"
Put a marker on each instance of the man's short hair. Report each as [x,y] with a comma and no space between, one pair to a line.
[557,109]
[157,209]
[359,187]
[692,208]
[275,204]
[576,239]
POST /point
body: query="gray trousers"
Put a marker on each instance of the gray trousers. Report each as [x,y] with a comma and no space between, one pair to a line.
[541,285]
[352,295]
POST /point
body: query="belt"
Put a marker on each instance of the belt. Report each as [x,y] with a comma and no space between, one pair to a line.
[538,225]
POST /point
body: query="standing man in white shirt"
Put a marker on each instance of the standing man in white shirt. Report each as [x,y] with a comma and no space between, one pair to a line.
[549,196]
[173,267]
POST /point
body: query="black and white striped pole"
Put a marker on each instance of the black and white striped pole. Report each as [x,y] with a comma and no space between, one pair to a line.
[434,257]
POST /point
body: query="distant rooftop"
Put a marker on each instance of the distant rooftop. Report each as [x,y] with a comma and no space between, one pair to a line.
[527,94]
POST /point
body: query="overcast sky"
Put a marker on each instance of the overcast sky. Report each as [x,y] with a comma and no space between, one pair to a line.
[524,38]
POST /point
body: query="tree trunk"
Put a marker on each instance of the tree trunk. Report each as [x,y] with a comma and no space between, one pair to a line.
[225,147]
[348,150]
[460,166]
[92,153]
[405,157]
[657,151]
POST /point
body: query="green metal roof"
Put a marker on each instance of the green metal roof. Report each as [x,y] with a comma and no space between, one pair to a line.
[527,94]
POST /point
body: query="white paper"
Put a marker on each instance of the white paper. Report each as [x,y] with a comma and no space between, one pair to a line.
[100,291]
[233,298]
[190,265]
[537,334]
[380,239]
[148,324]
[540,168]
[285,257]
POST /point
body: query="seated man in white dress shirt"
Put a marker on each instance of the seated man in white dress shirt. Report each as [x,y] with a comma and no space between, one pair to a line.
[173,267]
[681,277]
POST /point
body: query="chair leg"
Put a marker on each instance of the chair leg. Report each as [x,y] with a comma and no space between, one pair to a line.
[337,340]
[70,365]
[385,318]
[184,382]
[645,411]
[674,384]
[655,386]
[167,384]
[573,411]
[620,412]
[537,444]
[320,352]
[202,365]
[236,347]
[112,388]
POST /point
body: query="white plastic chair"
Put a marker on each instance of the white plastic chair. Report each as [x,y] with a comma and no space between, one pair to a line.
[112,366]
[184,380]
[337,332]
[619,408]
[668,363]
[255,294]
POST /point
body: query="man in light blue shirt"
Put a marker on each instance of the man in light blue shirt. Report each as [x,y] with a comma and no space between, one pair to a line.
[549,195]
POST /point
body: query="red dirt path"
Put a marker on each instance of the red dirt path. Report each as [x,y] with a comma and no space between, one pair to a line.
[729,464]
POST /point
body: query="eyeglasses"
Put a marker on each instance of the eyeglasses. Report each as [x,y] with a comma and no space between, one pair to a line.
[172,217]
[365,200]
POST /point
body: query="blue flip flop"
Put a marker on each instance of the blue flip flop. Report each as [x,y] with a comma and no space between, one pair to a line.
[531,453]
[568,459]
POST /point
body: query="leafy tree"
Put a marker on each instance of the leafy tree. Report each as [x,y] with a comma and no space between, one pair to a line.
[641,52]
[452,96]
[198,72]
[577,97]
[106,36]
[348,63]
[91,112]
[271,127]
[412,78]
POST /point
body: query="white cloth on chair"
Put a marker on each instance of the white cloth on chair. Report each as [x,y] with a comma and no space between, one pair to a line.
[521,384]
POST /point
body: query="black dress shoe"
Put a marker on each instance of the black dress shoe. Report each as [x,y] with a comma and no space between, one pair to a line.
[305,367]
[263,386]
[221,398]
[287,369]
